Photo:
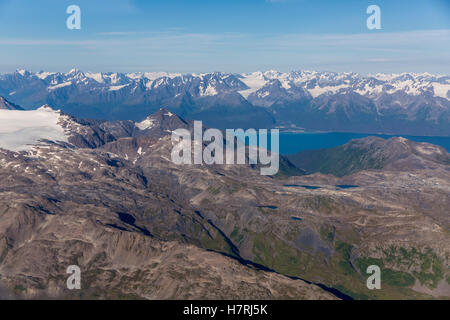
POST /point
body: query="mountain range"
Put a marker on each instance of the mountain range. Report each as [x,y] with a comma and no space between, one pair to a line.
[407,103]
[105,196]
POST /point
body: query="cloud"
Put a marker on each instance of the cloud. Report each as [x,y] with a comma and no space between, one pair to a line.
[426,49]
[368,39]
[379,60]
[118,33]
[163,38]
[388,41]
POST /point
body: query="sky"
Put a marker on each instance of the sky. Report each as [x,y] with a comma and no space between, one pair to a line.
[193,36]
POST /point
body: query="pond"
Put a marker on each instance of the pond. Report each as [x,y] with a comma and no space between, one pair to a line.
[346,186]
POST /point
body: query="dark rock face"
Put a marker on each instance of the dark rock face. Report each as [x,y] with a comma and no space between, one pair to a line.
[6,105]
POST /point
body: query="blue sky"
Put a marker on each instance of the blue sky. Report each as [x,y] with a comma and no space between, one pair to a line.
[231,36]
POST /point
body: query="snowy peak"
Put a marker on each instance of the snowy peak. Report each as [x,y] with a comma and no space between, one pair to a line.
[28,130]
[215,83]
[47,108]
[22,130]
[146,124]
[417,103]
[162,121]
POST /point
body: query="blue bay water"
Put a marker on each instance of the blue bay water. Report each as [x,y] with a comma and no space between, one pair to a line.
[291,142]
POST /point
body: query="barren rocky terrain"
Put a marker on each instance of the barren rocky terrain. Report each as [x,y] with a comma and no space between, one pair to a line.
[110,201]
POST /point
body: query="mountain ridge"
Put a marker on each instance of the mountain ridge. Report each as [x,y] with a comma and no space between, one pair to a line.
[6,105]
[371,153]
[409,103]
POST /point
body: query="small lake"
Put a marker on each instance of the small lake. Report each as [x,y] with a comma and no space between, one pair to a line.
[346,186]
[301,186]
[268,207]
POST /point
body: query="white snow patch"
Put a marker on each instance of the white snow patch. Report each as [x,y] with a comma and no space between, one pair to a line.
[441,90]
[115,88]
[96,76]
[285,84]
[114,77]
[254,81]
[22,72]
[61,85]
[156,75]
[152,75]
[210,91]
[21,130]
[44,75]
[146,124]
[317,91]
[368,90]
[263,94]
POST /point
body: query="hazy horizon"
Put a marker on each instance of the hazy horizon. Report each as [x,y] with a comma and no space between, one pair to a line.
[18,69]
[231,36]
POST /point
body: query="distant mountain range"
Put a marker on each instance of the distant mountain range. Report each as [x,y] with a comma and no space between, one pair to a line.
[408,103]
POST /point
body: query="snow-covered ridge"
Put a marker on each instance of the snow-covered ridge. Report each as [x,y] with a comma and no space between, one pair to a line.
[22,130]
[147,123]
[318,83]
[256,85]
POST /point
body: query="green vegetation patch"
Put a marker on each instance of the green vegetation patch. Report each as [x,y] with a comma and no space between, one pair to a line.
[427,267]
[363,263]
[236,236]
[345,250]
[327,233]
[276,254]
[397,278]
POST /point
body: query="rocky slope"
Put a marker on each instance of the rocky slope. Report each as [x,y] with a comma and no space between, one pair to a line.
[398,154]
[68,202]
[65,207]
[140,226]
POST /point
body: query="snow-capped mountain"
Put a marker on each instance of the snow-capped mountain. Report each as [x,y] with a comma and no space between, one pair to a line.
[24,130]
[21,130]
[257,84]
[407,103]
